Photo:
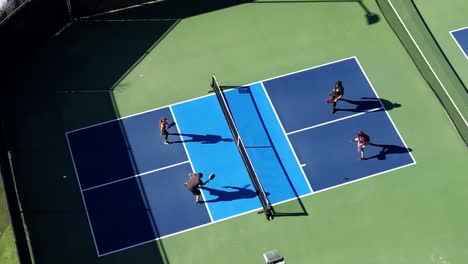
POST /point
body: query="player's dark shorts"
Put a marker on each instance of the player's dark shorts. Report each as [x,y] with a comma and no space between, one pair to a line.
[195,191]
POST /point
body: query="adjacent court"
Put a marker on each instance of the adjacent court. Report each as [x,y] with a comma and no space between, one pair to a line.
[461,38]
[132,183]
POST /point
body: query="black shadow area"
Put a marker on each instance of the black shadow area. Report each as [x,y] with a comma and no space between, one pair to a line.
[66,86]
[230,193]
[203,139]
[95,55]
[387,149]
[145,9]
[371,17]
[368,103]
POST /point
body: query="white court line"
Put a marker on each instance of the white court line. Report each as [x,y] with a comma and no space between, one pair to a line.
[136,175]
[259,208]
[427,62]
[456,41]
[250,211]
[333,121]
[121,9]
[200,97]
[285,135]
[140,113]
[303,70]
[357,180]
[455,30]
[191,165]
[386,112]
[184,231]
[129,20]
[82,196]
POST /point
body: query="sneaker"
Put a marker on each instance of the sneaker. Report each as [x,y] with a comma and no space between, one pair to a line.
[167,142]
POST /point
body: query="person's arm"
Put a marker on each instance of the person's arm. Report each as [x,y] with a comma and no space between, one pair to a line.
[341,92]
[190,175]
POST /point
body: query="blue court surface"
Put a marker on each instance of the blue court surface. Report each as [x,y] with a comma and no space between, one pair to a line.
[461,38]
[133,185]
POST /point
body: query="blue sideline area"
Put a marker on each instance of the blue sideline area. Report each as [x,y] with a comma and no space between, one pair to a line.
[211,148]
[267,145]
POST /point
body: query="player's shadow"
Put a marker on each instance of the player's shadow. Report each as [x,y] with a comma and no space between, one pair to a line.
[387,149]
[369,103]
[231,193]
[203,139]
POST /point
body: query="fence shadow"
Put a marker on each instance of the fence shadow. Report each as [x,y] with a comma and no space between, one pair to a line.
[371,17]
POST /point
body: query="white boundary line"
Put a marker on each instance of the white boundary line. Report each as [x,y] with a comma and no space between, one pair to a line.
[427,62]
[360,179]
[455,30]
[303,70]
[197,98]
[286,136]
[140,113]
[335,120]
[260,208]
[82,196]
[250,211]
[191,165]
[135,176]
[386,112]
[456,41]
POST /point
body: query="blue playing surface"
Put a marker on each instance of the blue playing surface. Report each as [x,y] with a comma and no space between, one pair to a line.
[133,184]
[461,37]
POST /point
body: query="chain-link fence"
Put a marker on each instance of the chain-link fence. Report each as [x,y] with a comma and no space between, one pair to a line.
[418,41]
[8,7]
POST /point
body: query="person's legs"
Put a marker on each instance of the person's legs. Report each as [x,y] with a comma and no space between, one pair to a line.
[333,110]
[197,195]
[166,135]
[362,151]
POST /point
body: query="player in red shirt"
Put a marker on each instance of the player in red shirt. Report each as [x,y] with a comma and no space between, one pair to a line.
[163,126]
[362,140]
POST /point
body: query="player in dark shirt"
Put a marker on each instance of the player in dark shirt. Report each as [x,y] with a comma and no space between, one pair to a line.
[193,185]
[336,94]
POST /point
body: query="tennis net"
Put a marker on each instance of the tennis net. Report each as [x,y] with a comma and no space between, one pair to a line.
[267,208]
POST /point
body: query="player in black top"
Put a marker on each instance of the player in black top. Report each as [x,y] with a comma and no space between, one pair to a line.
[336,94]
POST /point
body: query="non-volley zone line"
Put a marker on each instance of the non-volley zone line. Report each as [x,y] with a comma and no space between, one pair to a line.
[333,121]
[136,175]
